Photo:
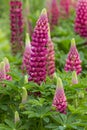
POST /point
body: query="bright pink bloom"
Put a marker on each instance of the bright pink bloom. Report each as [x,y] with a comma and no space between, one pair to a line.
[65,7]
[54,13]
[7,69]
[2,71]
[50,57]
[26,55]
[73,61]
[59,101]
[81,18]
[38,60]
[16,18]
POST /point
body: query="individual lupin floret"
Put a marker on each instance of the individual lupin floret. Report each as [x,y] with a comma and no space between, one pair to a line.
[16,18]
[50,56]
[7,68]
[59,101]
[2,71]
[73,62]
[74,78]
[26,55]
[38,60]
[81,18]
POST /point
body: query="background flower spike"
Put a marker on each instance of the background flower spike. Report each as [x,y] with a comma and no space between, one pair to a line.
[2,71]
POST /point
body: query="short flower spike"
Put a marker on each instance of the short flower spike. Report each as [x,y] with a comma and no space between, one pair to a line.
[59,101]
[81,18]
[16,118]
[7,68]
[73,62]
[2,71]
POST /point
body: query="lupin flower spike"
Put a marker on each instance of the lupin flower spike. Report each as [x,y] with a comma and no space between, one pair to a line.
[73,62]
[38,60]
[59,101]
[74,78]
[24,95]
[65,7]
[7,68]
[16,118]
[26,55]
[81,18]
[50,56]
[54,13]
[16,18]
[2,71]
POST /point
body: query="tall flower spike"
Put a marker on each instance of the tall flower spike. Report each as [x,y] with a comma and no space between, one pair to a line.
[7,68]
[2,71]
[50,56]
[38,60]
[65,7]
[16,19]
[54,13]
[74,78]
[59,101]
[26,55]
[81,18]
[73,61]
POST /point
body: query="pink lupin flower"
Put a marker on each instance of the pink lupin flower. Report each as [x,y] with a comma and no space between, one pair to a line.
[26,55]
[16,18]
[7,68]
[2,71]
[81,18]
[54,13]
[59,101]
[50,56]
[38,60]
[74,78]
[65,7]
[73,61]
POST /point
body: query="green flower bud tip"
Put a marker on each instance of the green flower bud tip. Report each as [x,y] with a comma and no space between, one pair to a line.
[24,95]
[27,39]
[73,42]
[44,12]
[59,83]
[26,79]
[74,78]
[17,118]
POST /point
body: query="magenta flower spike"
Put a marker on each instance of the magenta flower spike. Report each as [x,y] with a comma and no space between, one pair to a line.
[26,55]
[7,68]
[81,18]
[2,71]
[65,7]
[50,56]
[54,13]
[73,62]
[59,101]
[38,60]
[74,78]
[16,18]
